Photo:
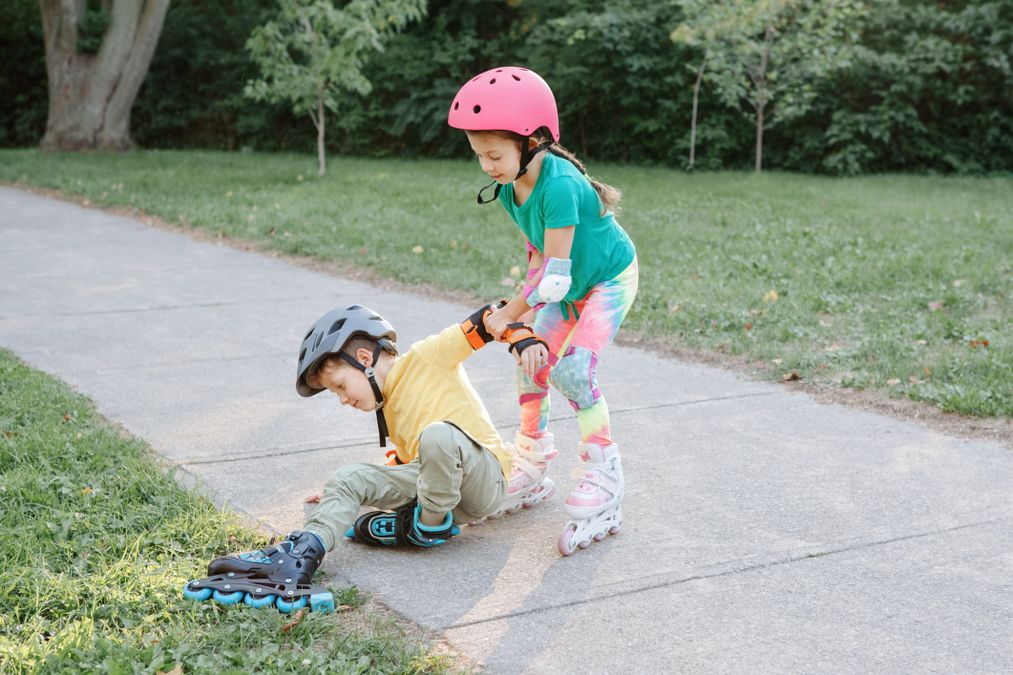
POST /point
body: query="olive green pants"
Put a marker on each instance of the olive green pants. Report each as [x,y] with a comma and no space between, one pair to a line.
[452,474]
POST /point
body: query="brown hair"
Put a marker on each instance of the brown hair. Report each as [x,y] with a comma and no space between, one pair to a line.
[608,194]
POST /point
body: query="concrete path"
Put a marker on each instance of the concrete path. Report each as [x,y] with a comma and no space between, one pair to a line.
[764,531]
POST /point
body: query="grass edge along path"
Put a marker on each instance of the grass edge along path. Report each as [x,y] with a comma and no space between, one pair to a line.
[97,541]
[896,284]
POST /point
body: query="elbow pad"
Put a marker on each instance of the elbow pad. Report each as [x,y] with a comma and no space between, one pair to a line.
[555,282]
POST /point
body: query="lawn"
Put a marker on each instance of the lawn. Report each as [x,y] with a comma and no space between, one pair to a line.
[96,543]
[900,284]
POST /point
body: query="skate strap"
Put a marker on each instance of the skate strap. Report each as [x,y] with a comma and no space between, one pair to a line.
[595,476]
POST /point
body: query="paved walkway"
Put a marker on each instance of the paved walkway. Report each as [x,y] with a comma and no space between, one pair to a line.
[764,531]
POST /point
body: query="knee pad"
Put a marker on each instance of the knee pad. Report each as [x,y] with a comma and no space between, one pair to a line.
[576,377]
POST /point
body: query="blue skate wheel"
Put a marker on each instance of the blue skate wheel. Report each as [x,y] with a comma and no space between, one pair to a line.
[322,602]
[259,601]
[228,598]
[200,595]
[286,606]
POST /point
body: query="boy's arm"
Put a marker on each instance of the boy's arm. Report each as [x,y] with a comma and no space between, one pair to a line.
[456,343]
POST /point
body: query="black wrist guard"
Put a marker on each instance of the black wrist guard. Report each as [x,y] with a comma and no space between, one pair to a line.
[475,330]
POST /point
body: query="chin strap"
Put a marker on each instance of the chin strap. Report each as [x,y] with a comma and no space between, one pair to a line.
[381,421]
[527,154]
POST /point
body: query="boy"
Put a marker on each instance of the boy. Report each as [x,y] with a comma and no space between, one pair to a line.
[449,463]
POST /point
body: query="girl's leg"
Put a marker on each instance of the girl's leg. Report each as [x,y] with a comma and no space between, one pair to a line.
[551,326]
[594,505]
[575,375]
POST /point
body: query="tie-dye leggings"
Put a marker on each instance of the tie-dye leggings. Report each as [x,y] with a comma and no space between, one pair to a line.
[576,341]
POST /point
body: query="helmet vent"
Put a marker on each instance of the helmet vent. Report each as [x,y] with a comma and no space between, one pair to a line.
[353,307]
[316,343]
[308,333]
[302,355]
[477,109]
[336,327]
[376,317]
[457,104]
[492,81]
[515,77]
[499,70]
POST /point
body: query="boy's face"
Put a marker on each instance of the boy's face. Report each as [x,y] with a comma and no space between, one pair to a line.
[499,157]
[349,384]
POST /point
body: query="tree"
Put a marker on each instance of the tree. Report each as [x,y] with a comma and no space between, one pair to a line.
[97,54]
[313,50]
[766,51]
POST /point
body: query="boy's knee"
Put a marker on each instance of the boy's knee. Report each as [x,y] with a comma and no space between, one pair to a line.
[438,436]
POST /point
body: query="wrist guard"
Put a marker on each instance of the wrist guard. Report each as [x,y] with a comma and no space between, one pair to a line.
[474,326]
[520,336]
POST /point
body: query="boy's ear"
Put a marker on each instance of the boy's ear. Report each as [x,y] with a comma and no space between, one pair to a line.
[365,357]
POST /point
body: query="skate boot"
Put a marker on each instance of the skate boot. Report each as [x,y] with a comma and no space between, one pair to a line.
[595,505]
[277,576]
[528,484]
[404,527]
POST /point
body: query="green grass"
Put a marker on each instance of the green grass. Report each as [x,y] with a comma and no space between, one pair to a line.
[96,543]
[896,283]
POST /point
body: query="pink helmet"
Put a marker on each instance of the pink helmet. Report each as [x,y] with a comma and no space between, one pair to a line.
[508,98]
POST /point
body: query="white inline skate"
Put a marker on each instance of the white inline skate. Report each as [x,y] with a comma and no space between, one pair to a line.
[528,484]
[595,504]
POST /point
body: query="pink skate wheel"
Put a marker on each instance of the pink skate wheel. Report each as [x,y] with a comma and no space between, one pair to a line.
[599,536]
[566,546]
[584,544]
[614,529]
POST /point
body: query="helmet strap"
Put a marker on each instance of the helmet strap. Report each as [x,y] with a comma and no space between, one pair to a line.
[381,421]
[527,154]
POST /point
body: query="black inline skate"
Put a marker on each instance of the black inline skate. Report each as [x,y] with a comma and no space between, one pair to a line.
[404,527]
[277,576]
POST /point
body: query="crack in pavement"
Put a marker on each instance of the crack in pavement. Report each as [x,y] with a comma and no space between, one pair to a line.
[362,441]
[724,573]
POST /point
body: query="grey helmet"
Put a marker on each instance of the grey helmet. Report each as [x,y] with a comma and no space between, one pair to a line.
[329,335]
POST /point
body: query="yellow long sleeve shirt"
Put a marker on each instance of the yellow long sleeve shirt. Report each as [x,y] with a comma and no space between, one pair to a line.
[428,384]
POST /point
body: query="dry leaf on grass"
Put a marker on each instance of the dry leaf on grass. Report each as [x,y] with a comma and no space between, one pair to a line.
[294,622]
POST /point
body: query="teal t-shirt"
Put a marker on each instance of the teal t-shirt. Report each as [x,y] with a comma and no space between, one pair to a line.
[562,197]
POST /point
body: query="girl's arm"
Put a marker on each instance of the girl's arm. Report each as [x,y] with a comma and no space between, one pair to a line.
[558,242]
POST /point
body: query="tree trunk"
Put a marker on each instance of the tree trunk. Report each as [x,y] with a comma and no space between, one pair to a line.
[321,157]
[696,102]
[91,95]
[760,82]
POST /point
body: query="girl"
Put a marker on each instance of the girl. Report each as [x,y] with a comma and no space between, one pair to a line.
[581,281]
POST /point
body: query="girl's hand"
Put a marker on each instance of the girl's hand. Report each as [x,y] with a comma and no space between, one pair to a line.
[533,359]
[497,322]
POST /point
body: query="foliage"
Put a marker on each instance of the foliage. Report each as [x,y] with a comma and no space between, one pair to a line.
[925,86]
[193,96]
[768,53]
[897,283]
[22,74]
[313,51]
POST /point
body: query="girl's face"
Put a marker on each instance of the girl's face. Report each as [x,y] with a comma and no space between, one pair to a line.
[349,384]
[499,157]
